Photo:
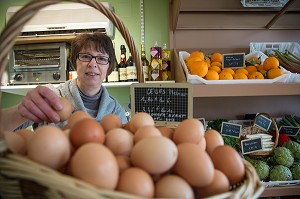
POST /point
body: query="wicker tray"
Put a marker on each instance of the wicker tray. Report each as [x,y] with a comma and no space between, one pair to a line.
[23,178]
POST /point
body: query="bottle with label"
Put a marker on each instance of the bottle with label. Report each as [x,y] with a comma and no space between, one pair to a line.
[156,63]
[166,63]
[131,70]
[145,63]
[114,75]
[122,65]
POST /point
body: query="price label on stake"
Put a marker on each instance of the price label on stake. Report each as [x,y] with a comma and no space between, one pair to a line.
[251,145]
[234,60]
[263,122]
[230,129]
[289,130]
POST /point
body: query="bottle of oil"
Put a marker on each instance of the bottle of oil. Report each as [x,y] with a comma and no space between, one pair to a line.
[114,76]
[145,63]
[156,63]
[131,70]
[166,63]
[122,65]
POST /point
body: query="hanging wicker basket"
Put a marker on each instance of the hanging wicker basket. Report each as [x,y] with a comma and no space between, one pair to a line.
[23,178]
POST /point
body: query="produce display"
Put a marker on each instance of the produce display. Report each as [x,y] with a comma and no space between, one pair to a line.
[136,158]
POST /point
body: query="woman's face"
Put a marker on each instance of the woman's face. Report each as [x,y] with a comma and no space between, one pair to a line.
[91,74]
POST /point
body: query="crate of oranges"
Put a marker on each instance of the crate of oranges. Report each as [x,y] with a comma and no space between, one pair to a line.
[201,68]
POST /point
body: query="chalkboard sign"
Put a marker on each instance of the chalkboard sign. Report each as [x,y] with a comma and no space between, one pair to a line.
[289,130]
[167,103]
[231,129]
[234,60]
[251,145]
[263,122]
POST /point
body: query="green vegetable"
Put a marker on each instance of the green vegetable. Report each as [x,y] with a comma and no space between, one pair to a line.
[295,169]
[280,173]
[216,124]
[262,169]
[231,141]
[283,156]
[294,147]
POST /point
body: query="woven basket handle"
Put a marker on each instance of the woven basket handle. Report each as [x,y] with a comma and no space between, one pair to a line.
[16,23]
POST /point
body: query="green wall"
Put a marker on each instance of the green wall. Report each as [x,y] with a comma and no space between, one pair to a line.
[156,15]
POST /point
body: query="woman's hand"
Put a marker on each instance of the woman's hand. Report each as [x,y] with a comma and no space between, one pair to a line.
[40,104]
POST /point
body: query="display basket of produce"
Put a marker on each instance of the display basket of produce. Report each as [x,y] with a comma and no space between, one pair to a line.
[21,177]
[269,143]
[263,3]
[196,79]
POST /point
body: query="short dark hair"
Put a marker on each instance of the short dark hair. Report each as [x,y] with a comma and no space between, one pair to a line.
[101,42]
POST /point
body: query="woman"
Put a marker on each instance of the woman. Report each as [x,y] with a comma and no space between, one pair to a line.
[93,57]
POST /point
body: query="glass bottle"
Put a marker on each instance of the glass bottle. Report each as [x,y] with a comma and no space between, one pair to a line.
[122,65]
[166,63]
[114,75]
[145,63]
[156,63]
[131,70]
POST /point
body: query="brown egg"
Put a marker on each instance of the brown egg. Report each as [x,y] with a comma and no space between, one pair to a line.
[136,181]
[202,144]
[220,184]
[154,154]
[111,121]
[213,139]
[96,164]
[77,116]
[189,130]
[49,146]
[227,160]
[194,165]
[15,143]
[26,134]
[166,131]
[145,131]
[119,141]
[123,162]
[127,127]
[140,119]
[67,110]
[86,130]
[173,186]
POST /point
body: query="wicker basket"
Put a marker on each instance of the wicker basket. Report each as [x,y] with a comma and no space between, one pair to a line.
[23,178]
[255,130]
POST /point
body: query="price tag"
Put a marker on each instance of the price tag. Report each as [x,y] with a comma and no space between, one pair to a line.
[251,145]
[234,60]
[202,120]
[289,130]
[231,129]
[263,122]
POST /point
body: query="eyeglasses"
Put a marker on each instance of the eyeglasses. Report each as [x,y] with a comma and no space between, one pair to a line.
[99,59]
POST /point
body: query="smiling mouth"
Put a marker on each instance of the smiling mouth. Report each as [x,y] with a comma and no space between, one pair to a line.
[92,74]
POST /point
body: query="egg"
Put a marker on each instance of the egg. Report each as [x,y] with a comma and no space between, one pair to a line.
[111,121]
[202,144]
[166,131]
[77,116]
[140,119]
[189,130]
[25,134]
[136,181]
[173,186]
[194,165]
[86,130]
[227,160]
[154,154]
[66,111]
[213,139]
[145,131]
[96,164]
[15,143]
[123,162]
[49,146]
[119,141]
[219,185]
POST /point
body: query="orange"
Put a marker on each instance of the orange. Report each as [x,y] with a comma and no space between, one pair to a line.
[212,75]
[216,57]
[260,67]
[275,72]
[241,70]
[254,60]
[215,68]
[216,64]
[255,75]
[199,68]
[225,76]
[191,60]
[207,60]
[271,62]
[230,70]
[240,75]
[251,69]
[197,54]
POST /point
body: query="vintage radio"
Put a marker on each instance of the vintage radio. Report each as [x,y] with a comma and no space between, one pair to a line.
[39,63]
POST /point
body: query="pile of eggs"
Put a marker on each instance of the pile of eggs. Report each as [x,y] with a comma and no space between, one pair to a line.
[137,158]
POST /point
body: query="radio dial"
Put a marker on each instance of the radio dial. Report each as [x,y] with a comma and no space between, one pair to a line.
[56,76]
[18,77]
